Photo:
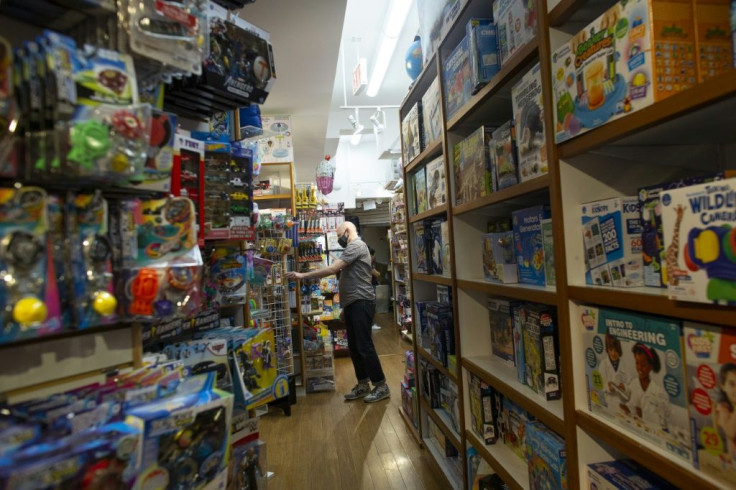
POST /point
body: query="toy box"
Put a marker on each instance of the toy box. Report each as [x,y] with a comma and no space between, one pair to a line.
[248,466]
[483,414]
[411,135]
[156,173]
[518,322]
[420,248]
[472,166]
[546,457]
[436,18]
[502,149]
[449,401]
[502,330]
[445,233]
[549,252]
[420,189]
[625,473]
[528,109]
[436,183]
[457,81]
[187,178]
[541,351]
[255,356]
[528,243]
[441,331]
[517,25]
[699,242]
[432,113]
[612,242]
[483,45]
[513,423]
[621,62]
[437,245]
[616,342]
[499,259]
[713,37]
[710,353]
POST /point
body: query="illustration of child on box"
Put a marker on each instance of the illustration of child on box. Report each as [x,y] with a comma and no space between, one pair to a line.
[647,400]
[615,378]
[725,413]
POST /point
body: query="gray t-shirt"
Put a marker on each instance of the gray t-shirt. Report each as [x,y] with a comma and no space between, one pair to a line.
[355,278]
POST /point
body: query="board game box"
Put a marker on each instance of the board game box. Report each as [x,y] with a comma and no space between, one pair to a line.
[541,351]
[502,149]
[483,414]
[483,45]
[528,109]
[624,473]
[712,37]
[518,319]
[472,166]
[513,424]
[612,242]
[441,330]
[529,244]
[436,183]
[420,189]
[457,80]
[517,25]
[549,252]
[411,135]
[502,330]
[710,353]
[499,259]
[420,248]
[436,17]
[432,113]
[700,243]
[635,375]
[546,458]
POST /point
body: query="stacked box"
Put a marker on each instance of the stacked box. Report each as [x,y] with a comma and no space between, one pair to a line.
[502,330]
[420,248]
[441,331]
[517,25]
[529,243]
[549,252]
[436,183]
[625,473]
[482,410]
[531,146]
[518,319]
[612,242]
[411,134]
[472,166]
[502,149]
[546,458]
[712,38]
[483,45]
[420,189]
[436,249]
[432,113]
[615,343]
[710,353]
[499,259]
[541,351]
[457,81]
[700,243]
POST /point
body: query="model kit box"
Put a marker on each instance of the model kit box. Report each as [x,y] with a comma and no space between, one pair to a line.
[634,54]
[432,113]
[483,412]
[612,242]
[713,38]
[436,17]
[502,330]
[528,243]
[624,473]
[710,353]
[420,189]
[483,45]
[411,134]
[502,153]
[499,259]
[436,183]
[531,147]
[472,166]
[420,248]
[635,374]
[457,80]
[546,458]
[549,252]
[700,244]
[517,25]
[541,351]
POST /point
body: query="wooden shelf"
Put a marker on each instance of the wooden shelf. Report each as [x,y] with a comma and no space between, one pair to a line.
[479,108]
[442,420]
[511,468]
[502,377]
[430,213]
[536,294]
[527,188]
[272,197]
[410,424]
[691,116]
[433,278]
[573,15]
[67,334]
[421,84]
[431,151]
[437,364]
[454,479]
[677,472]
[654,301]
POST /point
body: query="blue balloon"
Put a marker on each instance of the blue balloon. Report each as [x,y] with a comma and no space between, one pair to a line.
[413,59]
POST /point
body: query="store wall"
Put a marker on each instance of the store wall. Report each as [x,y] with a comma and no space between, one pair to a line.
[375,236]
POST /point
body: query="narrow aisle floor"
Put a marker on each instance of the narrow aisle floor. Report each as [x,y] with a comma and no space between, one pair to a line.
[329,443]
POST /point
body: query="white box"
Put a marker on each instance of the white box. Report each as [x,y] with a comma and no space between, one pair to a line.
[517,25]
[528,107]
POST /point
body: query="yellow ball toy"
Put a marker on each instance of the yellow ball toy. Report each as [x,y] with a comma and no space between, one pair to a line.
[104,303]
[29,311]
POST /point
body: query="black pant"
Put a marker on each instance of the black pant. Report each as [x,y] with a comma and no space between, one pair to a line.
[359,323]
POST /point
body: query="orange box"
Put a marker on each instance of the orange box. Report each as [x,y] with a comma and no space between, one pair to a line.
[713,37]
[673,33]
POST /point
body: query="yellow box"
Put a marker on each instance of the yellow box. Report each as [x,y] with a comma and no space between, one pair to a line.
[674,46]
[713,37]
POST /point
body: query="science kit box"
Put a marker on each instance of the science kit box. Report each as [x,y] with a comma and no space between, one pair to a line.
[483,45]
[541,351]
[529,243]
[457,79]
[499,258]
[635,53]
[531,147]
[700,243]
[472,166]
[710,353]
[517,25]
[546,458]
[502,152]
[411,134]
[432,113]
[436,183]
[624,473]
[713,38]
[635,375]
[502,330]
[612,242]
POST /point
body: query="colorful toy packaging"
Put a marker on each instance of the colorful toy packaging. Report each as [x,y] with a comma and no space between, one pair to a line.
[502,334]
[411,134]
[472,166]
[541,351]
[254,359]
[432,113]
[710,353]
[483,45]
[518,319]
[187,179]
[531,146]
[156,173]
[625,473]
[440,330]
[713,37]
[437,244]
[420,248]
[504,164]
[482,410]
[549,252]
[546,457]
[513,424]
[457,80]
[225,276]
[436,183]
[700,250]
[636,53]
[517,25]
[499,259]
[529,244]
[612,242]
[635,373]
[420,189]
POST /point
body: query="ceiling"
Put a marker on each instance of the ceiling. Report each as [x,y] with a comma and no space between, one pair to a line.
[307,39]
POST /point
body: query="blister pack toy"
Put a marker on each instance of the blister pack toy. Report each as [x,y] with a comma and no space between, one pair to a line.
[225,282]
[156,172]
[187,178]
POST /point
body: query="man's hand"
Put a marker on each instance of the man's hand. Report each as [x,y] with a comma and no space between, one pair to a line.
[294,275]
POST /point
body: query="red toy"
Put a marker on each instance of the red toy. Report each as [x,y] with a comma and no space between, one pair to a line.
[145,290]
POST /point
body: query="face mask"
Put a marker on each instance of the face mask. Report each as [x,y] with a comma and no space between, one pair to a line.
[343,240]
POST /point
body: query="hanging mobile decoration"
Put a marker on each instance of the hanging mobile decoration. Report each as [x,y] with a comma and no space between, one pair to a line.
[325,175]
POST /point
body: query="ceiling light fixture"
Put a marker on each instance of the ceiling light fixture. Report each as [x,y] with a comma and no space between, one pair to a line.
[393,25]
[378,119]
[357,128]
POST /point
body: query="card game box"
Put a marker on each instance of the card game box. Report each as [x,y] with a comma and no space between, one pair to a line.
[502,149]
[432,113]
[411,135]
[436,183]
[499,259]
[457,80]
[483,45]
[529,244]
[502,330]
[528,109]
[517,25]
[472,166]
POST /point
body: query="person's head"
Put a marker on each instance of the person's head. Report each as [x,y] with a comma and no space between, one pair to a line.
[346,233]
[647,360]
[613,347]
[727,382]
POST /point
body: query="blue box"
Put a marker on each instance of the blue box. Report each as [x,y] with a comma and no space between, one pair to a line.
[546,458]
[529,243]
[625,473]
[457,80]
[502,330]
[483,46]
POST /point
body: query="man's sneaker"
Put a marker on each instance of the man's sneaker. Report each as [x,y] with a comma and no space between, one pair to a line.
[376,327]
[379,393]
[359,391]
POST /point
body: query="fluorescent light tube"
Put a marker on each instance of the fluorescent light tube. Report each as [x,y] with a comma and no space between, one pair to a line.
[392,28]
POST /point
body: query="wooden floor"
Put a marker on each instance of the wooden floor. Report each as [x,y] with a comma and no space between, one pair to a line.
[329,443]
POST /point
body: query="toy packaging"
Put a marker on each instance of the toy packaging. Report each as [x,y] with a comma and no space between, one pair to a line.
[529,244]
[436,183]
[436,18]
[499,259]
[699,242]
[203,356]
[634,54]
[713,37]
[518,323]
[624,473]
[279,147]
[187,179]
[549,252]
[502,149]
[156,174]
[546,458]
[420,248]
[254,359]
[482,410]
[441,331]
[432,113]
[472,166]
[225,275]
[612,242]
[437,247]
[483,46]
[502,331]
[420,189]
[531,146]
[541,351]
[710,353]
[635,373]
[449,402]
[517,25]
[513,424]
[457,80]
[411,134]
